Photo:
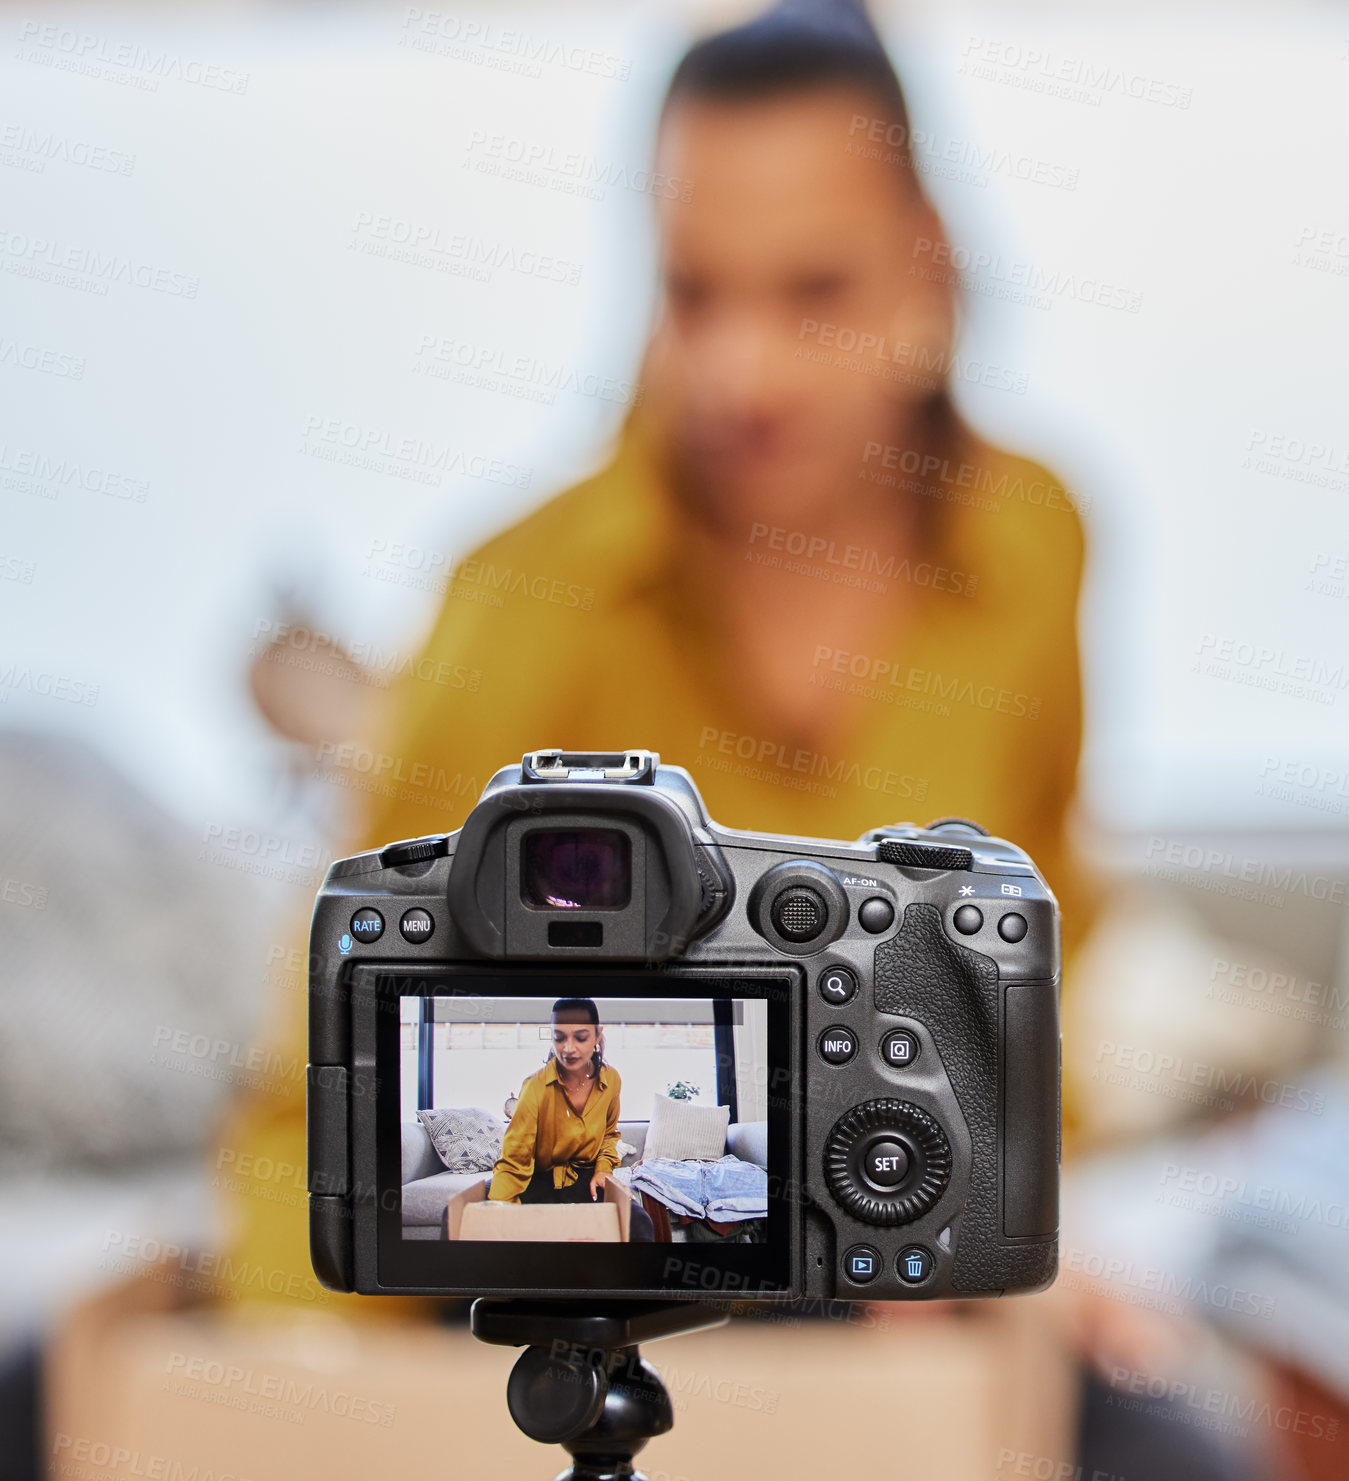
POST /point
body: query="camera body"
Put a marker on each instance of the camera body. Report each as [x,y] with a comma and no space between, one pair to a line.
[880,1017]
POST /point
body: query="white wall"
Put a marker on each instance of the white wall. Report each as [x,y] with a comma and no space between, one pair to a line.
[268,199]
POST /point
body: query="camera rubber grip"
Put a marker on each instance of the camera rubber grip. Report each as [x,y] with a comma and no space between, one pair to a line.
[921,973]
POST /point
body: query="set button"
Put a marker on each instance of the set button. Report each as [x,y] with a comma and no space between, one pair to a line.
[885,1163]
[837,1045]
[367,925]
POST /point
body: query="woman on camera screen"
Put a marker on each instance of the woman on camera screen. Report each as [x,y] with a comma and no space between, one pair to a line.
[562,1143]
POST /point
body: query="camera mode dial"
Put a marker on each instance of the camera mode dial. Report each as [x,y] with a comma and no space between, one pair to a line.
[887,1161]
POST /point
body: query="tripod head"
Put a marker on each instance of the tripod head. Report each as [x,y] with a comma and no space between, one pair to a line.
[581,1383]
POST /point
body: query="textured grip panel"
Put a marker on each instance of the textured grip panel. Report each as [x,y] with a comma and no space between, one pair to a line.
[921,973]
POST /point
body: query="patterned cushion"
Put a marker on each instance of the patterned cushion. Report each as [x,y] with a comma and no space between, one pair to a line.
[685,1131]
[467,1138]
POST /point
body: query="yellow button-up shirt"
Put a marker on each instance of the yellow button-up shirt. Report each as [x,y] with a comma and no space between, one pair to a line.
[547,1132]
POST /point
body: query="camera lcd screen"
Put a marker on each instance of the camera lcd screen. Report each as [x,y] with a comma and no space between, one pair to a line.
[691,1116]
[584,1118]
[576,869]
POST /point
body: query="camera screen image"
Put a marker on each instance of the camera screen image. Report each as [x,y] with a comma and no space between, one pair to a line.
[608,1119]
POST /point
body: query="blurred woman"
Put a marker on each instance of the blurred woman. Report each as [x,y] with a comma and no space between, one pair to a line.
[800,575]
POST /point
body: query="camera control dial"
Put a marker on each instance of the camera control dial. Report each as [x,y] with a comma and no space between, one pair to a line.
[887,1161]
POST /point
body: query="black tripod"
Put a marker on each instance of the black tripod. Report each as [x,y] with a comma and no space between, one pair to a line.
[581,1383]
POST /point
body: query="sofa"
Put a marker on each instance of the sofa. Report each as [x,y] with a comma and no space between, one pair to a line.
[428,1187]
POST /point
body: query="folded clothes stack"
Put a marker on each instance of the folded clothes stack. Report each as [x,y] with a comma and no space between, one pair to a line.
[726,1190]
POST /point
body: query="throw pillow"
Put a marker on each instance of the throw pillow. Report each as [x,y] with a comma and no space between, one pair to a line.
[685,1131]
[466,1138]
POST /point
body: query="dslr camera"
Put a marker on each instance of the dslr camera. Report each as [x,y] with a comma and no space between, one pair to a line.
[807,1068]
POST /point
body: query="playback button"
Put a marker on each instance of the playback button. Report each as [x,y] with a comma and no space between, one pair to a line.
[861,1264]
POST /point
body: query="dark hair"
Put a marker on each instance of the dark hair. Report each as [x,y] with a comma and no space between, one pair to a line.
[586,1006]
[797,46]
[800,46]
[583,1005]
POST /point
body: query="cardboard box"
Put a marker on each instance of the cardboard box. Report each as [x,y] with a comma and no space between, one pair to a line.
[143,1387]
[472,1215]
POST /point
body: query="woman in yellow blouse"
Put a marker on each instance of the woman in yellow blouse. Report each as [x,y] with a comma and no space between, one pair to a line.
[801,575]
[562,1143]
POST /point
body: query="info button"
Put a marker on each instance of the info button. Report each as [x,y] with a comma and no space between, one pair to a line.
[837,1045]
